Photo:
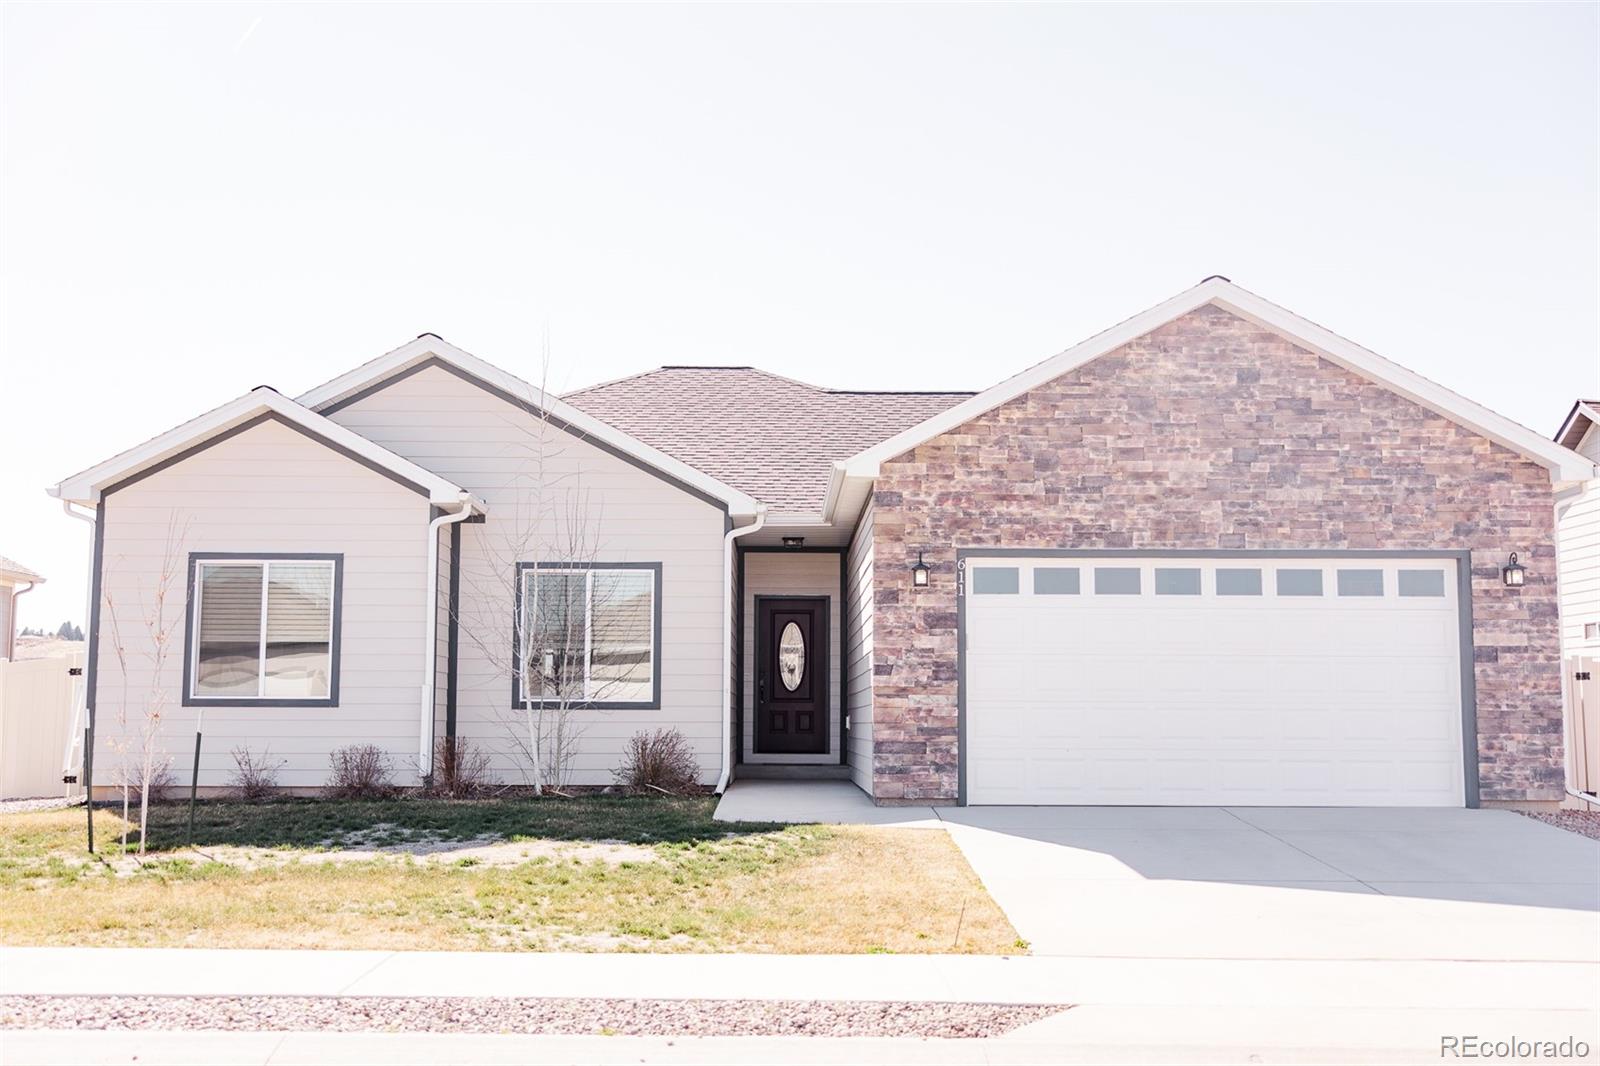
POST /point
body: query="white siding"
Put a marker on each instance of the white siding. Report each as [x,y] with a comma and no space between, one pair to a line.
[858,651]
[504,455]
[1578,543]
[791,574]
[268,489]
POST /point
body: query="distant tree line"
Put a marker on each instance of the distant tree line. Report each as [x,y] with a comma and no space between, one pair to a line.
[65,631]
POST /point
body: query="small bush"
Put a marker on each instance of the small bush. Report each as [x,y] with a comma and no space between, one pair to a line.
[460,771]
[255,778]
[662,759]
[162,782]
[359,771]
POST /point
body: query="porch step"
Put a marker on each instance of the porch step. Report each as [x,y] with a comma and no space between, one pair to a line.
[792,772]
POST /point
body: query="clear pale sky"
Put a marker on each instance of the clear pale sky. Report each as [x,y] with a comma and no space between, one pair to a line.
[199,199]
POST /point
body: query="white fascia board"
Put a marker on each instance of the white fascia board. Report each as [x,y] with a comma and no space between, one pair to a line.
[426,347]
[1563,464]
[85,487]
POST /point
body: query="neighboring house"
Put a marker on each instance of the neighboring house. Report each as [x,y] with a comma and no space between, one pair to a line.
[1578,524]
[1578,534]
[1215,554]
[12,575]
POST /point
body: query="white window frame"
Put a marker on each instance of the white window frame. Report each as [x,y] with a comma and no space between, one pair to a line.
[198,563]
[528,594]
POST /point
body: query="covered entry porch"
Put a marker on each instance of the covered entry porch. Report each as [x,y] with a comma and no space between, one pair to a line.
[791,718]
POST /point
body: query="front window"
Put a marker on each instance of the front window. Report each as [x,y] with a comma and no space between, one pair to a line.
[589,634]
[263,629]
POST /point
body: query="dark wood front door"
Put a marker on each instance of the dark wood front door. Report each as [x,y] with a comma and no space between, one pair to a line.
[792,675]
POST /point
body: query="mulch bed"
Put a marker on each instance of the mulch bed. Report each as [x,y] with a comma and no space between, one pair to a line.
[1586,823]
[553,1017]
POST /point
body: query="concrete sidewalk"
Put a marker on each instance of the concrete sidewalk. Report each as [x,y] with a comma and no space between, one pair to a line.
[1125,1010]
[1369,984]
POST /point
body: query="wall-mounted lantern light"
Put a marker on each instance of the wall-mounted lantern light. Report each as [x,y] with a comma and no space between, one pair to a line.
[794,542]
[1513,575]
[919,573]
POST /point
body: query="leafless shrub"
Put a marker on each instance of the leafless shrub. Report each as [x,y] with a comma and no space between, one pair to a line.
[460,771]
[660,760]
[160,784]
[255,777]
[360,771]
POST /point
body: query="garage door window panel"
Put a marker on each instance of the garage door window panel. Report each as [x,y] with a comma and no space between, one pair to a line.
[1238,581]
[1297,581]
[1421,583]
[995,581]
[1117,581]
[1177,581]
[1360,582]
[1055,581]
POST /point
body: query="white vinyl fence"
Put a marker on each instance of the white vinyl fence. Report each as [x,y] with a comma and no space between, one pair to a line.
[35,717]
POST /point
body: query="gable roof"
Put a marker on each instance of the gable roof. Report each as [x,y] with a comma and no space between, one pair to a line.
[1584,413]
[431,350]
[259,404]
[1563,464]
[775,438]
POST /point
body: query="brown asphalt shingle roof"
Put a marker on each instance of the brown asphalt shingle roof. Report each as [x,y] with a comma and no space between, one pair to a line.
[765,435]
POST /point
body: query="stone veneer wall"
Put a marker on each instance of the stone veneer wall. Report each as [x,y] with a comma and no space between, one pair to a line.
[1213,433]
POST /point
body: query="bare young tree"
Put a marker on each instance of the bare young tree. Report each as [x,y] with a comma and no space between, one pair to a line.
[564,635]
[142,764]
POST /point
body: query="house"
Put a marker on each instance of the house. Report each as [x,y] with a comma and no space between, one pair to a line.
[12,574]
[1215,554]
[1578,534]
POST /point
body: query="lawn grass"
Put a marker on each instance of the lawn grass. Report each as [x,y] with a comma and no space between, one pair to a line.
[597,873]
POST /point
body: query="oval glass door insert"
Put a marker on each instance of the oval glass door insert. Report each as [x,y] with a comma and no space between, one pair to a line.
[791,657]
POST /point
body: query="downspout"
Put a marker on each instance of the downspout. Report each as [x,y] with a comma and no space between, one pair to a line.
[728,681]
[430,651]
[11,636]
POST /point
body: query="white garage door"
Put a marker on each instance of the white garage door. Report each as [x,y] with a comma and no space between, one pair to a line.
[1171,680]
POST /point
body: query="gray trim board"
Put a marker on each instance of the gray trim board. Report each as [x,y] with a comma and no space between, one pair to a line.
[655,639]
[337,626]
[91,677]
[524,405]
[1462,558]
[251,423]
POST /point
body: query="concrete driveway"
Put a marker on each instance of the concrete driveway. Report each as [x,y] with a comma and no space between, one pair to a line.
[1287,883]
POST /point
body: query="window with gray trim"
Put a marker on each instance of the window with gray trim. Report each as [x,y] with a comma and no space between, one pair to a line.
[1421,583]
[1360,582]
[1298,581]
[1055,581]
[1116,581]
[995,580]
[588,634]
[1177,581]
[262,629]
[1238,581]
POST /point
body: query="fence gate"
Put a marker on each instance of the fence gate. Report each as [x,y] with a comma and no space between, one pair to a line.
[1583,721]
[36,697]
